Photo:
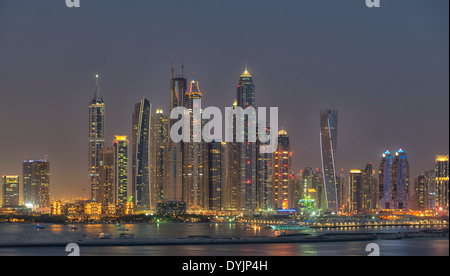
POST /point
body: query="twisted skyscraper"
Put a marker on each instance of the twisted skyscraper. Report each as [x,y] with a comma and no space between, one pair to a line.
[328,141]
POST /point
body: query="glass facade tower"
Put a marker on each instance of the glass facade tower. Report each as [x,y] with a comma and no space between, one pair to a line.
[96,140]
[328,141]
[140,178]
[248,151]
[121,169]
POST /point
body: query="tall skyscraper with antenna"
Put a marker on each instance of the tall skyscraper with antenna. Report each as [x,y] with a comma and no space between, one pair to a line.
[248,149]
[173,154]
[195,155]
[96,139]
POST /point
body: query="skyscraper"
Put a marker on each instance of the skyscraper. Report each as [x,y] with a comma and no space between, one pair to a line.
[107,189]
[140,178]
[307,175]
[328,142]
[179,93]
[342,189]
[36,182]
[385,181]
[368,179]
[121,169]
[318,187]
[96,139]
[248,151]
[158,144]
[10,187]
[422,192]
[173,154]
[234,190]
[215,179]
[282,174]
[400,179]
[195,156]
[442,179]
[264,166]
[356,191]
[173,172]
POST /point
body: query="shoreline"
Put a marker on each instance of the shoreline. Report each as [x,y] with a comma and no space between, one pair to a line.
[62,241]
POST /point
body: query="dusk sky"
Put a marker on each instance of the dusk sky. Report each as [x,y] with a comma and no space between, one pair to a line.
[385,70]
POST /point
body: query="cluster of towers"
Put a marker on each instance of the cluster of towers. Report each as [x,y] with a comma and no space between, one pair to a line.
[215,176]
[239,177]
[35,192]
[369,190]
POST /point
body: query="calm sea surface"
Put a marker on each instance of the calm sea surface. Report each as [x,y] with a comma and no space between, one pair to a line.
[17,232]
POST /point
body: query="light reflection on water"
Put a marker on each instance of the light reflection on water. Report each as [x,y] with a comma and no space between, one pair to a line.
[414,247]
[418,247]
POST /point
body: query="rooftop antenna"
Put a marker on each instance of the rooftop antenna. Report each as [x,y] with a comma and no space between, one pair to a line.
[182,64]
[171,64]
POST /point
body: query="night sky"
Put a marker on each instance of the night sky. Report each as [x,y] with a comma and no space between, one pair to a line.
[385,70]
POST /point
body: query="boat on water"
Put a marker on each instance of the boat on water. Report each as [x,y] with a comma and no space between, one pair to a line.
[104,236]
[39,227]
[288,227]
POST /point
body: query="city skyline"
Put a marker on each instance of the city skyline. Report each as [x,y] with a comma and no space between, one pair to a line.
[423,135]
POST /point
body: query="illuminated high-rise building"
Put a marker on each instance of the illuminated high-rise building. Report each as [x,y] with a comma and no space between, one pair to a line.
[121,169]
[442,179]
[195,156]
[356,191]
[342,189]
[173,171]
[215,178]
[10,188]
[96,139]
[226,173]
[158,144]
[173,153]
[319,190]
[140,173]
[368,179]
[375,193]
[328,142]
[282,174]
[248,151]
[106,170]
[400,181]
[36,183]
[307,182]
[265,177]
[385,181]
[297,184]
[233,184]
[421,195]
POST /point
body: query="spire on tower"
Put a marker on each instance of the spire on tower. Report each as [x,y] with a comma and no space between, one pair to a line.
[246,74]
[97,97]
